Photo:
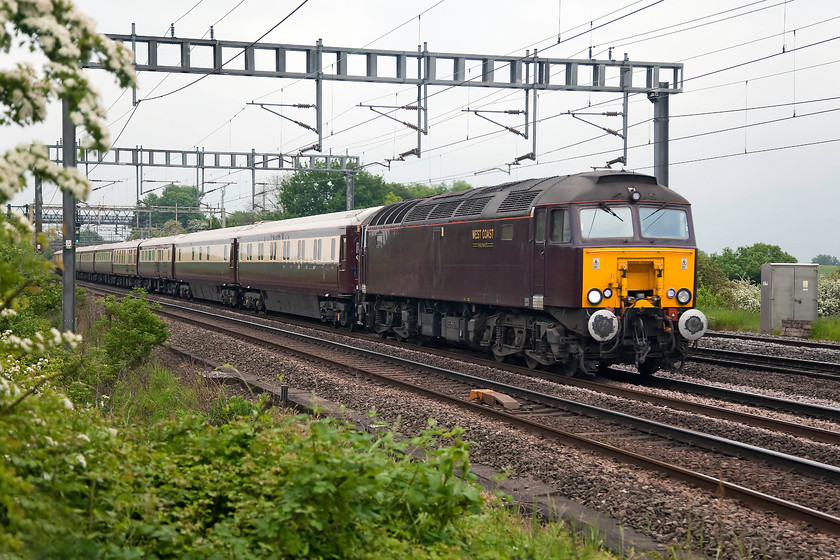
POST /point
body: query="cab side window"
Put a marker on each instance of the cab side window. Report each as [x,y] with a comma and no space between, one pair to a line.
[560,232]
[539,227]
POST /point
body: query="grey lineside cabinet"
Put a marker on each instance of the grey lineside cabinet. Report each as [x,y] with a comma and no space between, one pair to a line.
[788,291]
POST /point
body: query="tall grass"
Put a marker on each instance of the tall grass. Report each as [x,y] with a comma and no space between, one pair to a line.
[726,319]
[150,393]
[826,328]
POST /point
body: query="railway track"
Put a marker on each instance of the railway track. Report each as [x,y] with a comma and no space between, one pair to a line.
[536,414]
[767,339]
[765,362]
[713,411]
[720,412]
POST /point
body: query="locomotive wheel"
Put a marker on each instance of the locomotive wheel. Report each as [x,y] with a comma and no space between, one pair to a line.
[649,367]
[499,357]
[531,362]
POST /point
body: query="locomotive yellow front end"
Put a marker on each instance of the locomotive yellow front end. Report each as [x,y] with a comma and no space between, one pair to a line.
[641,303]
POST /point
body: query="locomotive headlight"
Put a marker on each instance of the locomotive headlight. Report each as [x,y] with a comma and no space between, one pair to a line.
[671,293]
[607,293]
[683,296]
[594,296]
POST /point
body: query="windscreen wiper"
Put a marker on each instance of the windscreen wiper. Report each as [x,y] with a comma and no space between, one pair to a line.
[663,206]
[608,210]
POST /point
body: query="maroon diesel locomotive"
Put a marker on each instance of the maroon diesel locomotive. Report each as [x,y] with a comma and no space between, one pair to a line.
[570,272]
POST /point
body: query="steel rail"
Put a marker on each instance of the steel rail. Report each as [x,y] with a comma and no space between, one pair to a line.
[785,508]
[768,339]
[755,420]
[689,437]
[795,407]
[764,362]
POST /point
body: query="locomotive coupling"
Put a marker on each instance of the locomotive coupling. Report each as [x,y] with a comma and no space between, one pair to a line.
[693,324]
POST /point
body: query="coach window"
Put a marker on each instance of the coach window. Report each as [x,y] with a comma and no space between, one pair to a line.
[225,257]
[208,252]
[560,232]
[193,254]
[332,250]
[539,228]
[250,251]
[179,253]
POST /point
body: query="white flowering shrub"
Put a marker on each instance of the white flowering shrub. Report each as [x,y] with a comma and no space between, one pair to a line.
[63,39]
[745,295]
[66,38]
[828,296]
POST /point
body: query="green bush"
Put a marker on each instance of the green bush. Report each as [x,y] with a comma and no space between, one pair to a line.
[24,272]
[130,330]
[745,262]
[225,409]
[253,487]
[119,340]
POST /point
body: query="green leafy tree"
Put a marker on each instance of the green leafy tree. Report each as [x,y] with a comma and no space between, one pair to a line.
[174,197]
[307,193]
[89,236]
[745,262]
[826,260]
[62,39]
[173,227]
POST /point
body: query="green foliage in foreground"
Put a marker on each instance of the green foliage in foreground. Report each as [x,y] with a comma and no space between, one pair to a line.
[254,487]
[258,486]
[120,339]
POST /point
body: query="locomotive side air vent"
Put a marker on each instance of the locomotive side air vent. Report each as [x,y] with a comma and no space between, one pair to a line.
[626,178]
[444,210]
[518,201]
[473,206]
[419,213]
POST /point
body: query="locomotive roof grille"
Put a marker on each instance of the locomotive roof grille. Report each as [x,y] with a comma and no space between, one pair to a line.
[419,213]
[518,201]
[444,210]
[473,206]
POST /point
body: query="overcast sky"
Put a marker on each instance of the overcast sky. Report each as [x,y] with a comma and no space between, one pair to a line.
[746,185]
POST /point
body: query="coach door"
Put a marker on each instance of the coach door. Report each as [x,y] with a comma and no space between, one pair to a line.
[348,259]
[232,268]
[538,259]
